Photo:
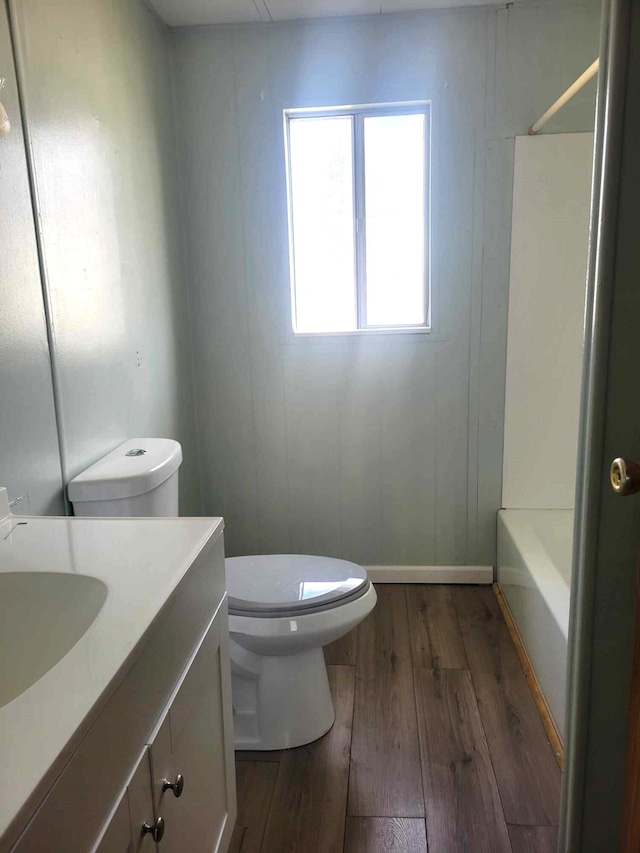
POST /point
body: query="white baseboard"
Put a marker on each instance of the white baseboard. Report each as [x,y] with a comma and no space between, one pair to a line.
[431,574]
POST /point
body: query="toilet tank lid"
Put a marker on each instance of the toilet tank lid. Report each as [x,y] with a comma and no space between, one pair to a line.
[125,473]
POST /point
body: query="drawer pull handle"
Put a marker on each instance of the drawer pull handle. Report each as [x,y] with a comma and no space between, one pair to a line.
[155,829]
[177,787]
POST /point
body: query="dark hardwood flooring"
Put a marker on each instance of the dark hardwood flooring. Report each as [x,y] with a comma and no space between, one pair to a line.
[437,744]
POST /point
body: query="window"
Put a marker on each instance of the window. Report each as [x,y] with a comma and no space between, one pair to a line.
[358,189]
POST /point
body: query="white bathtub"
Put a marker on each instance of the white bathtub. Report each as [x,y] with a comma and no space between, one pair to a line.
[534,572]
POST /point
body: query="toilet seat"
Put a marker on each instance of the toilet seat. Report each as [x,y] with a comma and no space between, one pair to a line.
[291,585]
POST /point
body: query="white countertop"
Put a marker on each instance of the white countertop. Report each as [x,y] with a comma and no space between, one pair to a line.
[142,562]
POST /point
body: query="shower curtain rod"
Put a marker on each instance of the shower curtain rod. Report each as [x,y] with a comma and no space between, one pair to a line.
[582,80]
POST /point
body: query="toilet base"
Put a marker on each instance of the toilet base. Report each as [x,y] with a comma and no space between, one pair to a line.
[279,701]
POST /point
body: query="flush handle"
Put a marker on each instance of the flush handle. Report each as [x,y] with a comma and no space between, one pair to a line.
[177,787]
[625,476]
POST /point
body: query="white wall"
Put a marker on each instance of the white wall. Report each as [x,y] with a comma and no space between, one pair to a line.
[549,234]
[385,450]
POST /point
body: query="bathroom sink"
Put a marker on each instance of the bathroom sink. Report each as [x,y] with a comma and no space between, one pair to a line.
[42,616]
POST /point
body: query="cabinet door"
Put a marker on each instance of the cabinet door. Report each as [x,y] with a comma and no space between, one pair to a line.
[141,812]
[116,837]
[195,741]
[123,832]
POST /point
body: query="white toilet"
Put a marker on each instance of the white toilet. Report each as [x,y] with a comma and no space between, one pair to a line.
[282,608]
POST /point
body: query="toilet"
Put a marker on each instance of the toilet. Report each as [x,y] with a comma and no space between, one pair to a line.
[283,608]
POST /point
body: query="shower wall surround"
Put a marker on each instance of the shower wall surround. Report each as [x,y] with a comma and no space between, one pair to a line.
[549,243]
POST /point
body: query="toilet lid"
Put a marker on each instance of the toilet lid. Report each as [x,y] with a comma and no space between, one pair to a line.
[279,584]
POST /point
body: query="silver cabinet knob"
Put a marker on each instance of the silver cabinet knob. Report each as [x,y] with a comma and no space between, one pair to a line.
[177,787]
[155,829]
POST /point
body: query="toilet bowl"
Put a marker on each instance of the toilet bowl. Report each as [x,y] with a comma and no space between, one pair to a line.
[282,610]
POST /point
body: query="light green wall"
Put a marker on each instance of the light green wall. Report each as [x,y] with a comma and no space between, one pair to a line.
[29,458]
[385,450]
[97,98]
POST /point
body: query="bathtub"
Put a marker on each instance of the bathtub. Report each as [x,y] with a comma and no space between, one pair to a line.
[534,573]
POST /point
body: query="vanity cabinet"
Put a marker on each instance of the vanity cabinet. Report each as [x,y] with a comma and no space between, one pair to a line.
[160,753]
[183,787]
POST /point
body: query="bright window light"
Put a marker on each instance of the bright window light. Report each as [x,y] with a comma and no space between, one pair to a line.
[358,184]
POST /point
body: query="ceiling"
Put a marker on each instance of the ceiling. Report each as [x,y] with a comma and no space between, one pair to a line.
[181,13]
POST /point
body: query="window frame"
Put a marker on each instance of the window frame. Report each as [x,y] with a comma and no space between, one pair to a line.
[358,114]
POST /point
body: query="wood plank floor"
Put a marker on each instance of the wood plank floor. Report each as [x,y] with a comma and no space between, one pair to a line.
[437,744]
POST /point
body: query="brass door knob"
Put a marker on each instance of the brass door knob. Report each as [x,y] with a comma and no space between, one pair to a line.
[625,476]
[177,787]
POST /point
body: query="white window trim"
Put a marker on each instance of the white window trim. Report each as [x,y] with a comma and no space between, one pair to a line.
[359,113]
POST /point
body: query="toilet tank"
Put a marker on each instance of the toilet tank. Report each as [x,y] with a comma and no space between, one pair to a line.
[139,478]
